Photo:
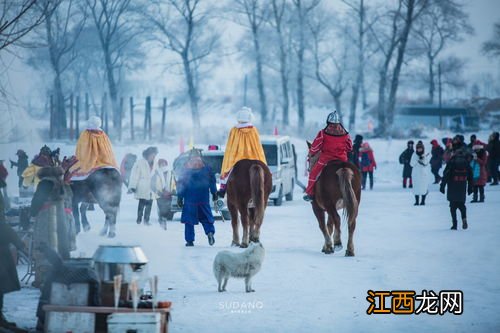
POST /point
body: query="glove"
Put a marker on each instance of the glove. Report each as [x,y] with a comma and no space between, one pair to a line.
[131,190]
[180,202]
[441,189]
[215,196]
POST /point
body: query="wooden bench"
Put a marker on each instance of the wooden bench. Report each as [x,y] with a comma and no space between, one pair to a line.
[102,311]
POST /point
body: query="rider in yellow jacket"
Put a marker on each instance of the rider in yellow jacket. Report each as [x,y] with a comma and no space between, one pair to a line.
[93,151]
[243,143]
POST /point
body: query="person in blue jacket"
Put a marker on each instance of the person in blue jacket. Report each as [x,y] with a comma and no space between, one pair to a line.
[193,189]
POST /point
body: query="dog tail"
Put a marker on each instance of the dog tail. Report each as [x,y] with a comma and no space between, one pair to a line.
[348,195]
[257,190]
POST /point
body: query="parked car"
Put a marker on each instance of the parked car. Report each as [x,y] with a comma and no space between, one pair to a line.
[212,158]
[281,159]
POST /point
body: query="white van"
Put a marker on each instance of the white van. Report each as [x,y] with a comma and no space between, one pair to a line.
[281,159]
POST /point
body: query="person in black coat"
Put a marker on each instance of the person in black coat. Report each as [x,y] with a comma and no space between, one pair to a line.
[405,159]
[436,162]
[493,149]
[458,177]
[21,164]
[9,280]
[354,154]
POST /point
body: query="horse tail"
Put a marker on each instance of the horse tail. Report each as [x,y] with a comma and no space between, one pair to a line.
[348,195]
[257,190]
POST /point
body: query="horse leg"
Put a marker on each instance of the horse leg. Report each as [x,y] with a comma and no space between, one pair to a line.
[111,213]
[337,242]
[76,216]
[320,216]
[251,223]
[245,225]
[350,244]
[83,213]
[234,224]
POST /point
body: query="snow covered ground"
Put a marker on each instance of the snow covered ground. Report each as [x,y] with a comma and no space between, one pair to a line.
[398,247]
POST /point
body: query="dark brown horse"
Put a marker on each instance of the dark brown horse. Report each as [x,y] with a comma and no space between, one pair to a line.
[105,186]
[338,186]
[250,179]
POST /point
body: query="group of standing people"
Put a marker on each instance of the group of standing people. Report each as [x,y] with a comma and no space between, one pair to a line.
[468,169]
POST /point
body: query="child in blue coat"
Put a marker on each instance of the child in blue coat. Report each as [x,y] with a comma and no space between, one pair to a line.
[193,189]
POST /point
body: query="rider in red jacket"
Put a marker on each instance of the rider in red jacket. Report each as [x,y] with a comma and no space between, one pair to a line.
[332,143]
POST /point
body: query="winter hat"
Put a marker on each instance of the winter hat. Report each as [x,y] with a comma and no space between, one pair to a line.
[21,152]
[358,138]
[148,151]
[333,118]
[434,143]
[162,162]
[420,145]
[410,142]
[94,122]
[478,145]
[244,115]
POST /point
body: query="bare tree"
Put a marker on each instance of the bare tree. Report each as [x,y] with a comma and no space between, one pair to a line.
[113,20]
[413,8]
[359,12]
[279,20]
[256,12]
[302,10]
[330,60]
[182,26]
[492,46]
[442,22]
[18,18]
[57,50]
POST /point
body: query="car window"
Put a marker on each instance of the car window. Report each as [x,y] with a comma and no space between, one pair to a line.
[271,152]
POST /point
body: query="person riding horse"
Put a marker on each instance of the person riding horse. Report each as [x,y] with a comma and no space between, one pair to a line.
[93,151]
[243,143]
[332,143]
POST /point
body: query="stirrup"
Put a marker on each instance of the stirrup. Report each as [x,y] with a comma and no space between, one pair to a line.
[308,198]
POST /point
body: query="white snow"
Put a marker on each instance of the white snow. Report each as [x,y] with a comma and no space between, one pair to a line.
[398,247]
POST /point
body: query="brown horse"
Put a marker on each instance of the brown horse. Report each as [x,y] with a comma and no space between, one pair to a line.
[338,186]
[250,179]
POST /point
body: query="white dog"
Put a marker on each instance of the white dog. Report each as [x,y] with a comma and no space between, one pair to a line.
[239,265]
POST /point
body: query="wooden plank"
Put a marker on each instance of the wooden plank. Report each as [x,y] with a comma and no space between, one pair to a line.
[98,309]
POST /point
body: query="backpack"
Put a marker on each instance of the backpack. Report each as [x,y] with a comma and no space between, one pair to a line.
[476,170]
[365,160]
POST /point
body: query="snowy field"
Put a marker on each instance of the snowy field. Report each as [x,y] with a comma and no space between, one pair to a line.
[398,247]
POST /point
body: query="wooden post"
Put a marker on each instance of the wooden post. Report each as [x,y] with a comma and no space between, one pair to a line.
[147,118]
[132,118]
[120,121]
[163,116]
[71,117]
[51,122]
[77,118]
[87,106]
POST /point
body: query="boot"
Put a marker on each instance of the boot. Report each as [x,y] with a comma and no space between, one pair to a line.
[416,201]
[189,244]
[211,239]
[464,223]
[422,203]
[454,225]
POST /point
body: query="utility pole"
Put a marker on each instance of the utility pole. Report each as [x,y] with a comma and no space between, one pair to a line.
[440,101]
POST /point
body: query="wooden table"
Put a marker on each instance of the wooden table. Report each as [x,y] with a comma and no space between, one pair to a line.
[105,311]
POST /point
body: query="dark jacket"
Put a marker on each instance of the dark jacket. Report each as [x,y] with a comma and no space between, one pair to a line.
[9,280]
[437,153]
[354,154]
[21,164]
[195,186]
[405,159]
[458,177]
[493,147]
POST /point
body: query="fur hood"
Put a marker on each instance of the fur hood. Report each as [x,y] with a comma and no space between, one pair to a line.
[46,172]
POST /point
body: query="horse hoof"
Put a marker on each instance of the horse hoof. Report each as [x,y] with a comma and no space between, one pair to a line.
[104,231]
[349,253]
[337,247]
[244,246]
[111,234]
[234,244]
[86,227]
[323,250]
[329,251]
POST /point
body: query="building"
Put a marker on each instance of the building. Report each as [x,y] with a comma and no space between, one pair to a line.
[449,117]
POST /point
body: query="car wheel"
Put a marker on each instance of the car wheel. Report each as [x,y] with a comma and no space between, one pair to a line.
[279,200]
[289,196]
